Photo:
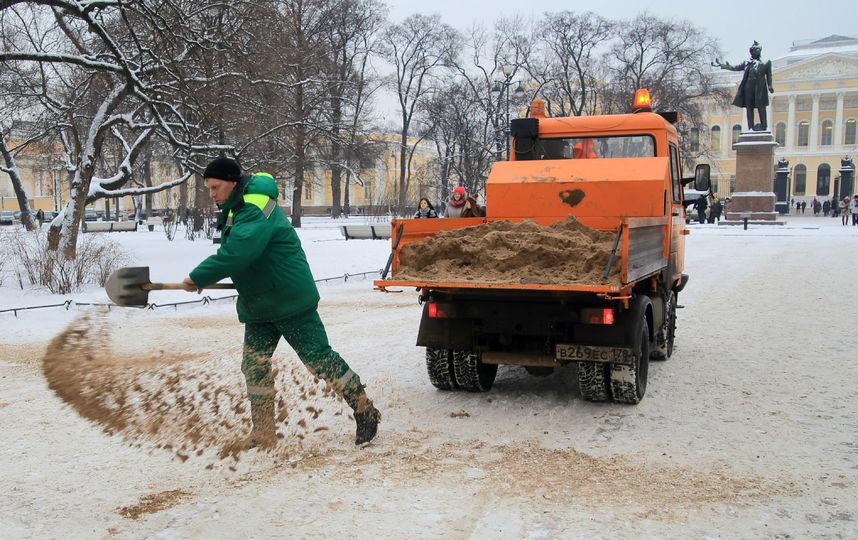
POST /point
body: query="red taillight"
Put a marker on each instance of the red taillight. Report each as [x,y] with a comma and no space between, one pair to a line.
[436,312]
[598,316]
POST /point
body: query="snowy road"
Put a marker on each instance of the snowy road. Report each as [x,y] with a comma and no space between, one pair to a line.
[749,430]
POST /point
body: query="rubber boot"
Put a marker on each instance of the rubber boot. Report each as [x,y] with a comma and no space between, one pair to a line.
[366,416]
[263,433]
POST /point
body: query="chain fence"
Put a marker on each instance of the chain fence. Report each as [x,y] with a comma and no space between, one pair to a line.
[205,300]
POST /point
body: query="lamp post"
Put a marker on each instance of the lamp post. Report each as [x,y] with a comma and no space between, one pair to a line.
[502,89]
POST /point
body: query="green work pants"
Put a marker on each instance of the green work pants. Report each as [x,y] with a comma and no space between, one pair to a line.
[306,334]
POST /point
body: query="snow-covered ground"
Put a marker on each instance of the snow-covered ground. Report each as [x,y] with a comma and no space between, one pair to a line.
[748,430]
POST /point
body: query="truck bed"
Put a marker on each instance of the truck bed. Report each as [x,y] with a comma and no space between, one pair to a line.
[642,253]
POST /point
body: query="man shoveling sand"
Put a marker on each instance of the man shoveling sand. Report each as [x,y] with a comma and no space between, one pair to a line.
[262,254]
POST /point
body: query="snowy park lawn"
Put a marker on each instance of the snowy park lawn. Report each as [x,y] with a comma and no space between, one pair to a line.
[749,430]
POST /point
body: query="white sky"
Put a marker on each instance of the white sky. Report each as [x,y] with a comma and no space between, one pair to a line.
[735,23]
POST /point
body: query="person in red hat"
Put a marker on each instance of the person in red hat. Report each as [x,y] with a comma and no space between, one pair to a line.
[461,205]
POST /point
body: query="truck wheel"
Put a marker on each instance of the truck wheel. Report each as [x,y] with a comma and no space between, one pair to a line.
[593,381]
[664,340]
[471,374]
[439,365]
[628,383]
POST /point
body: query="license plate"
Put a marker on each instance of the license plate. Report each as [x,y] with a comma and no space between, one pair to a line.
[588,353]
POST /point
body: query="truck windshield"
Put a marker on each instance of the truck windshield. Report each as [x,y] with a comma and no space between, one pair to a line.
[626,146]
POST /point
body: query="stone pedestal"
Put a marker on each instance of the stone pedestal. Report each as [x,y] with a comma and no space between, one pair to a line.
[755,163]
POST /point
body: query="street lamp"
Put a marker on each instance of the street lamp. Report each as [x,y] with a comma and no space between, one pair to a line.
[502,89]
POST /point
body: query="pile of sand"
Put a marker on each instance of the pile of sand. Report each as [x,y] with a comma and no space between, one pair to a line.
[172,402]
[563,253]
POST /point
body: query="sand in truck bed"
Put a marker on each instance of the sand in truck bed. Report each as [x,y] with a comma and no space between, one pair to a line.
[563,253]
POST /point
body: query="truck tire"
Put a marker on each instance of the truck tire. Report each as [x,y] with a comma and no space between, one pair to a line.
[664,339]
[470,372]
[628,383]
[593,381]
[439,365]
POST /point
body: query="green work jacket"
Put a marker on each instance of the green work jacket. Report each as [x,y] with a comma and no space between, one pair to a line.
[262,253]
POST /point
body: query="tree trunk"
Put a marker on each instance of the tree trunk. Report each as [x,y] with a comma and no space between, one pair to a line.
[336,155]
[346,198]
[200,201]
[403,151]
[12,170]
[300,158]
[183,203]
[147,179]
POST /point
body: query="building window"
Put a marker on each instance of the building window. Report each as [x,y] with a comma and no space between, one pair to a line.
[823,179]
[780,133]
[715,139]
[367,191]
[695,140]
[850,132]
[800,175]
[803,133]
[308,191]
[737,130]
[827,133]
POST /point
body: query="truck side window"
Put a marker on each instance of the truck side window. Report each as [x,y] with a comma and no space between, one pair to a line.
[675,175]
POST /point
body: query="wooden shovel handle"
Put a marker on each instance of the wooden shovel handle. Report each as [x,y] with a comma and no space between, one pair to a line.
[181,286]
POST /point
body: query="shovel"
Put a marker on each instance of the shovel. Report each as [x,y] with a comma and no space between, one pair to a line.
[130,287]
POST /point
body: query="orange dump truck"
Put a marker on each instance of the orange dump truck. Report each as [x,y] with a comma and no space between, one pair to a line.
[618,173]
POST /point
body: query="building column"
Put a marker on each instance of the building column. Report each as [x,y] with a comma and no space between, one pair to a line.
[770,115]
[813,143]
[790,130]
[838,121]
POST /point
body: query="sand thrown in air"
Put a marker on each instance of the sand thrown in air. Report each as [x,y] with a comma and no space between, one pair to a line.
[563,253]
[177,402]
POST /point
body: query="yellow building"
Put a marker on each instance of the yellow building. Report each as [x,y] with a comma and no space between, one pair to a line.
[377,189]
[379,176]
[812,115]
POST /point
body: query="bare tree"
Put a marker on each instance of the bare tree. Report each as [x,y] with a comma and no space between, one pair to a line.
[109,69]
[417,48]
[351,41]
[10,167]
[571,44]
[670,58]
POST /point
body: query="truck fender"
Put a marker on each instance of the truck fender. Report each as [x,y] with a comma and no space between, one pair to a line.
[640,307]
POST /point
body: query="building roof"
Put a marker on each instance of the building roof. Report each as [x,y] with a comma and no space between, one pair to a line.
[804,49]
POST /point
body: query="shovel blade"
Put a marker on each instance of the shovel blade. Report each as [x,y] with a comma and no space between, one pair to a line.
[123,287]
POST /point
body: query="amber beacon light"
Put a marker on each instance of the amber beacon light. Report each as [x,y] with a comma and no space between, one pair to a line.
[642,101]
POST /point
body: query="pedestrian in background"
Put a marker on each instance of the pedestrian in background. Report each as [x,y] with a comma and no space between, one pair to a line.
[835,210]
[803,206]
[826,208]
[853,209]
[701,205]
[843,209]
[425,209]
[461,205]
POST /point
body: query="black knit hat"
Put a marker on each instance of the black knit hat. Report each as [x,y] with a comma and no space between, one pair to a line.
[223,168]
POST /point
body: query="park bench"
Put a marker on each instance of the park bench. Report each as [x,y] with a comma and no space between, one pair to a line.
[366,232]
[108,226]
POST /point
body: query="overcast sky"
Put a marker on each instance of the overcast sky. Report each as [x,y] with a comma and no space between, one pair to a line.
[735,23]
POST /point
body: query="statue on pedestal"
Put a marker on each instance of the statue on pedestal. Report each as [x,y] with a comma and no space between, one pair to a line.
[755,87]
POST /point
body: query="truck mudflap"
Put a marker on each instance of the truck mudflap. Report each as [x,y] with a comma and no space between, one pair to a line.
[682,283]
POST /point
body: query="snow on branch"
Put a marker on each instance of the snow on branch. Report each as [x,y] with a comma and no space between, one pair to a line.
[53,58]
[153,189]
